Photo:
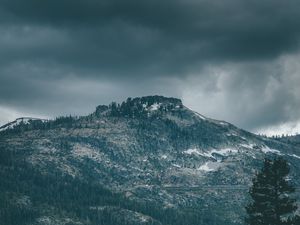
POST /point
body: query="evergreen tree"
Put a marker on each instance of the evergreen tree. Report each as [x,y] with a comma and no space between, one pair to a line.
[272,203]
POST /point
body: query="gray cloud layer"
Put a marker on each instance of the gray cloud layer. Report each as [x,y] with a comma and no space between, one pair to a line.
[236,59]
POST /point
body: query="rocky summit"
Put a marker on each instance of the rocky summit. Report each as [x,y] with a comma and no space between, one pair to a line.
[148,160]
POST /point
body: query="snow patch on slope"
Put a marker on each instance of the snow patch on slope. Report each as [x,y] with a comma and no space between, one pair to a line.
[247,146]
[209,154]
[164,156]
[154,107]
[222,123]
[192,151]
[210,166]
[176,165]
[265,149]
[295,156]
[200,116]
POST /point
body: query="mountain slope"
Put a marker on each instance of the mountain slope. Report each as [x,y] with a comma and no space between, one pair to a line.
[160,163]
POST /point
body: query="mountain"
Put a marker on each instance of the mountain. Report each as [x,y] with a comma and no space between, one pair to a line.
[148,160]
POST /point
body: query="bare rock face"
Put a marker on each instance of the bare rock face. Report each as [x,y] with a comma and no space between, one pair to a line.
[148,160]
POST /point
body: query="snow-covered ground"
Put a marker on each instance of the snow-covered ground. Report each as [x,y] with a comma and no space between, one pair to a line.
[209,154]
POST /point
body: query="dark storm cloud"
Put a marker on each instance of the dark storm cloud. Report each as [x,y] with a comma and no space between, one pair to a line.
[253,95]
[159,37]
[50,48]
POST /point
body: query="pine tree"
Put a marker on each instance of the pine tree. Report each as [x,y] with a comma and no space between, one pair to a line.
[271,194]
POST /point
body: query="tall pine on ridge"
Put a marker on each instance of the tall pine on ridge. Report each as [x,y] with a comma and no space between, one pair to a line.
[272,203]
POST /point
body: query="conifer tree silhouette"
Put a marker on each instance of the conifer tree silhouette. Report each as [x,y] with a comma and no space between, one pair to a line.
[271,194]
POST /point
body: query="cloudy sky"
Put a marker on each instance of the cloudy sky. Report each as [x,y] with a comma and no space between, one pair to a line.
[235,60]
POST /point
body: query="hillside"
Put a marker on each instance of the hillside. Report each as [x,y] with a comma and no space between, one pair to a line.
[148,160]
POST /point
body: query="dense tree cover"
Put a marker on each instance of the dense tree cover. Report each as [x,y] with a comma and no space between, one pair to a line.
[27,194]
[139,107]
[271,194]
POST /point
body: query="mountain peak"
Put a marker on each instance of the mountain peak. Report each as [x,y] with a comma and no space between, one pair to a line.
[156,99]
[140,106]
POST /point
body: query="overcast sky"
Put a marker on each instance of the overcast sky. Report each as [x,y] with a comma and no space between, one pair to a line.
[234,60]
